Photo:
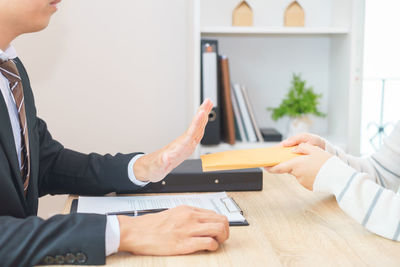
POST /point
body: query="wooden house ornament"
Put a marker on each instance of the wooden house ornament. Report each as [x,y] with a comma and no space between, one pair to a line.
[294,15]
[242,15]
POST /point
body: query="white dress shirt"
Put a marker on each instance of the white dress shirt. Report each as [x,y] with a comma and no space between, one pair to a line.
[10,102]
[112,235]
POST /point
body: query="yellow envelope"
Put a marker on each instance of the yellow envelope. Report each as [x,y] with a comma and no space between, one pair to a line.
[247,158]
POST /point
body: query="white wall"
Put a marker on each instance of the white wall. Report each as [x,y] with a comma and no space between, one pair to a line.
[110,76]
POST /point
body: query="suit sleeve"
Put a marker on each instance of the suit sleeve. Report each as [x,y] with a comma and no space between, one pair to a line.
[63,171]
[62,239]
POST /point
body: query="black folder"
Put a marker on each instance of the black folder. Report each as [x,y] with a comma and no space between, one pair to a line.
[210,89]
[189,177]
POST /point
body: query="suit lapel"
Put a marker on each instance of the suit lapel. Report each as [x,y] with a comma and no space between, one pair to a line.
[8,144]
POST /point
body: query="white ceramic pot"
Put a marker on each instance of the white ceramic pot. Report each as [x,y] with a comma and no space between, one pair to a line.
[298,125]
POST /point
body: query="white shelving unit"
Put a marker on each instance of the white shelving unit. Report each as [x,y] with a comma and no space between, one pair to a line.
[327,52]
[229,30]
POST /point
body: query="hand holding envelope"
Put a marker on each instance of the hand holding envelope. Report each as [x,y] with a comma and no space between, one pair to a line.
[247,158]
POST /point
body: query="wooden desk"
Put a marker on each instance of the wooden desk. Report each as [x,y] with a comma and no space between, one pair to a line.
[289,226]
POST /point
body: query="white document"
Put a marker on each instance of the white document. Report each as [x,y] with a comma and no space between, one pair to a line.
[218,202]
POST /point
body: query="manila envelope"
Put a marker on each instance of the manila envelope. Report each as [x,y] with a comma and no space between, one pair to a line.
[247,158]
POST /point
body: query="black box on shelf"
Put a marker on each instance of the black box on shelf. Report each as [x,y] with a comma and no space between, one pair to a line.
[271,135]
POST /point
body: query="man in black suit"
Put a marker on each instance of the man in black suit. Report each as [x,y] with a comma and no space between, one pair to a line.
[32,164]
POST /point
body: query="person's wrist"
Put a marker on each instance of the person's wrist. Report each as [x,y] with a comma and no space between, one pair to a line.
[323,144]
[126,226]
[123,232]
[140,169]
[133,235]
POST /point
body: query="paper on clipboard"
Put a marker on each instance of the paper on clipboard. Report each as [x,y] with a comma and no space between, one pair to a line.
[218,202]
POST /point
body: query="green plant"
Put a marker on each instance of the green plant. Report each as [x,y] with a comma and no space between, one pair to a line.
[300,100]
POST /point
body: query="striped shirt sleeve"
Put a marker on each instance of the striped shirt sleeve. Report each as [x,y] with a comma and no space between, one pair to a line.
[365,188]
[383,167]
[376,208]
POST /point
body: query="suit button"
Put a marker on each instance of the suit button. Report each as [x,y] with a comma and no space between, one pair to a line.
[81,257]
[60,259]
[49,260]
[70,258]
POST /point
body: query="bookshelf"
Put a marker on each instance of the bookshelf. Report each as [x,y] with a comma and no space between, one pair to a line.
[327,52]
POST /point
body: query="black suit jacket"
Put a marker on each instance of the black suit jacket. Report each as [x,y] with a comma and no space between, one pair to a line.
[26,239]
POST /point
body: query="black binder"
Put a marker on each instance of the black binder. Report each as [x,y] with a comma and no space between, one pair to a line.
[189,177]
[210,89]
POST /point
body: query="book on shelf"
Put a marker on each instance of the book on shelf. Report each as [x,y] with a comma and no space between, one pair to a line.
[240,134]
[237,133]
[251,113]
[248,126]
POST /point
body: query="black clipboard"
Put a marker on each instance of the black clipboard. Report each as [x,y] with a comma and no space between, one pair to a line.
[74,209]
[236,209]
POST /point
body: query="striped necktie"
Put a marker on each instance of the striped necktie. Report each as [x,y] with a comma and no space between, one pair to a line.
[10,71]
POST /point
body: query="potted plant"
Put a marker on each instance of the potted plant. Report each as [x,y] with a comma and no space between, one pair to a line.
[299,103]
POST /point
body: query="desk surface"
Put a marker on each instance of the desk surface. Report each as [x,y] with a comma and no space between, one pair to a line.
[289,226]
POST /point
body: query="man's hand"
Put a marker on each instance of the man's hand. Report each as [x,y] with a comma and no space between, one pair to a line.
[178,231]
[308,138]
[305,168]
[155,166]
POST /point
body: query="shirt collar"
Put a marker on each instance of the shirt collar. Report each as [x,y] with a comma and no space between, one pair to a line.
[9,53]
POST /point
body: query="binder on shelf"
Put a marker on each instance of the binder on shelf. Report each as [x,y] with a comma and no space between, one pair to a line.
[189,177]
[251,113]
[209,89]
[228,121]
[248,126]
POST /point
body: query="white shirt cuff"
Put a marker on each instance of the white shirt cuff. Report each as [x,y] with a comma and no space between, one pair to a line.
[333,176]
[112,235]
[131,174]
